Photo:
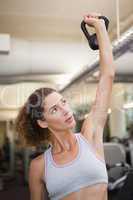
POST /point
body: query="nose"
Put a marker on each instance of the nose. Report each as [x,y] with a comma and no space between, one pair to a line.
[66,113]
[65,110]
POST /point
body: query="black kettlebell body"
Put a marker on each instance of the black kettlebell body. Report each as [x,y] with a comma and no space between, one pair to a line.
[92,39]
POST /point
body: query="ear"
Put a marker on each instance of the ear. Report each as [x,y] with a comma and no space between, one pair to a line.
[42,123]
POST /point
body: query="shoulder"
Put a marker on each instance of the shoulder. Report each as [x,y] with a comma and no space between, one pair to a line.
[37,184]
[37,167]
[38,161]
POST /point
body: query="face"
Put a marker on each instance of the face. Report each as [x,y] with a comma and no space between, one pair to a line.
[57,112]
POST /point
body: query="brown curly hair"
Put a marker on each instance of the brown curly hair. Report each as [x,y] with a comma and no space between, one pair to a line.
[26,122]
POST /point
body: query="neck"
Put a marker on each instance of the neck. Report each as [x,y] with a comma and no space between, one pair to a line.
[62,141]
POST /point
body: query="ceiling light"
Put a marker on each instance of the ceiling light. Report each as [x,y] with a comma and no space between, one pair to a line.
[128,105]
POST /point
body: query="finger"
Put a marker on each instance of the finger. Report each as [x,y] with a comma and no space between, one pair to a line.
[94,15]
[88,17]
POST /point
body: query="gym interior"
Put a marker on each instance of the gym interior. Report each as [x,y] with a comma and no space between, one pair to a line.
[42,45]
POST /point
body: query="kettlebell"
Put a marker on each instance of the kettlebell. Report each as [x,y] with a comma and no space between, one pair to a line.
[92,39]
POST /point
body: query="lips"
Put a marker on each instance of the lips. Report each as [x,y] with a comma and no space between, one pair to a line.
[69,119]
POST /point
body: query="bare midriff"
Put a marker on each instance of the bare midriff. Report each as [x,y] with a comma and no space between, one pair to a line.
[95,192]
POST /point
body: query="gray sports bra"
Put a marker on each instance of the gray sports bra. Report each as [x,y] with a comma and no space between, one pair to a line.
[85,170]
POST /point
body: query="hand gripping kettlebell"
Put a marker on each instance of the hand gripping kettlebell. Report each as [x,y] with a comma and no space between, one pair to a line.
[92,39]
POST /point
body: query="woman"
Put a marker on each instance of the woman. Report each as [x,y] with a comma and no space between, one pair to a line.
[73,168]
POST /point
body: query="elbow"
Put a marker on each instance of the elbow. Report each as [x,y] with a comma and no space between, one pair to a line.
[108,69]
[112,74]
[109,74]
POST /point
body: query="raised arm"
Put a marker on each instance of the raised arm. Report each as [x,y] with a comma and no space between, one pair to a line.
[94,124]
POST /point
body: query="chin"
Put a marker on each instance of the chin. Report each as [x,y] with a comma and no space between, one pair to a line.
[72,125]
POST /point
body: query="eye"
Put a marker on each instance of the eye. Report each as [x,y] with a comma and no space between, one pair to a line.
[54,111]
[64,101]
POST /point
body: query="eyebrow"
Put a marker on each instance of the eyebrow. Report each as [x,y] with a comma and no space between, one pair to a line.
[55,104]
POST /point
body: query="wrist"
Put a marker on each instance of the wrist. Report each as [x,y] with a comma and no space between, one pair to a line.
[100,26]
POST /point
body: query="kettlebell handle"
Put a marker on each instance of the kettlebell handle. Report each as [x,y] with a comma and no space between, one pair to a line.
[92,39]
